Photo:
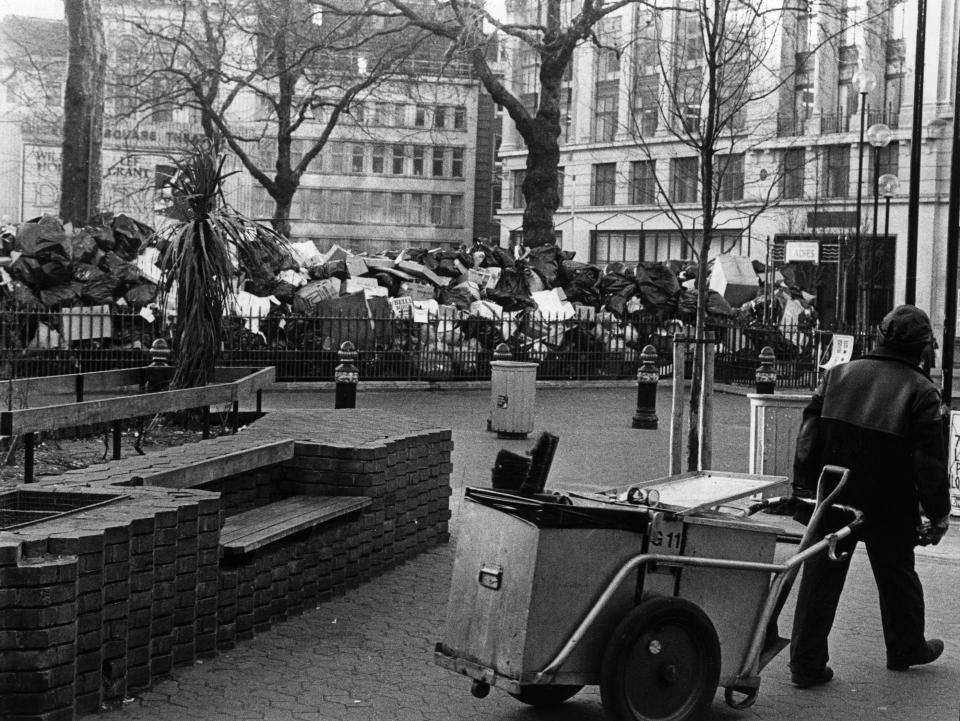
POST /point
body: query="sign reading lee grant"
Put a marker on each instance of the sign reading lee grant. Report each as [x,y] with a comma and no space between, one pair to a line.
[129,181]
[803,250]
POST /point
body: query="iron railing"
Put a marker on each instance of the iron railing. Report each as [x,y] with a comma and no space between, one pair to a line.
[304,347]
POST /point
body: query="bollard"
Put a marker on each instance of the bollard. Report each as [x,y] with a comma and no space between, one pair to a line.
[158,373]
[502,352]
[648,376]
[346,376]
[766,373]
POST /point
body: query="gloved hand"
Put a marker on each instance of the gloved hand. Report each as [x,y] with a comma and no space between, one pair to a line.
[930,533]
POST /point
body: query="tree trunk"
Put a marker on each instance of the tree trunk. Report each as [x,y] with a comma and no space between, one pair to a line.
[281,214]
[83,112]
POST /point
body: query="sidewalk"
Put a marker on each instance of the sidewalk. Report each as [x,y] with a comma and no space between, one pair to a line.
[368,655]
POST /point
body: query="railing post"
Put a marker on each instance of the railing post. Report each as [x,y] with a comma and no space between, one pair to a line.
[648,376]
[159,359]
[766,375]
[346,375]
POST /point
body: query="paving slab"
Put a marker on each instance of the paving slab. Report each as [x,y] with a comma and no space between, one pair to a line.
[368,655]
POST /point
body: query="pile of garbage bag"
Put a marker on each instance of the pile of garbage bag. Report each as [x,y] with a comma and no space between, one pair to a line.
[444,306]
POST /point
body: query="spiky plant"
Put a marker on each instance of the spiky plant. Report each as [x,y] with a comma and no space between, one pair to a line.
[202,252]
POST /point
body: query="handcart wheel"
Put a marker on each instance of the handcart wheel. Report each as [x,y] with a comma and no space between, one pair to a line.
[662,663]
[545,695]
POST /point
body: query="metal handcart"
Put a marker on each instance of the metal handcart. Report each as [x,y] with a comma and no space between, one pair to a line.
[659,592]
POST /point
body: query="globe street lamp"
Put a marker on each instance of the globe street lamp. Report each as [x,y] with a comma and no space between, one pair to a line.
[864,81]
[889,184]
[879,136]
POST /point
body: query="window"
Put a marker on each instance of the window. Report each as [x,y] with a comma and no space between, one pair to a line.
[605,113]
[518,200]
[889,160]
[378,157]
[561,175]
[456,211]
[729,173]
[643,182]
[419,208]
[356,206]
[436,209]
[837,173]
[456,163]
[440,117]
[791,183]
[691,39]
[382,113]
[685,181]
[631,246]
[437,164]
[604,184]
[459,117]
[608,56]
[689,96]
[400,115]
[336,157]
[336,203]
[420,117]
[378,204]
[647,105]
[356,158]
[418,153]
[396,208]
[398,160]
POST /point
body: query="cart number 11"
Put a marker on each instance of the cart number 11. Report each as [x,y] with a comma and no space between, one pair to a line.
[671,540]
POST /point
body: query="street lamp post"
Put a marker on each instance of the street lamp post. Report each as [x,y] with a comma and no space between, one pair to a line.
[889,184]
[879,136]
[864,81]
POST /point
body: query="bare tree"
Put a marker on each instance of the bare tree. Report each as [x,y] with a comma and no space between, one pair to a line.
[263,74]
[708,73]
[541,31]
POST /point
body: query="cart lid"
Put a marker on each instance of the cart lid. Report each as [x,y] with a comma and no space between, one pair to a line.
[546,512]
[688,493]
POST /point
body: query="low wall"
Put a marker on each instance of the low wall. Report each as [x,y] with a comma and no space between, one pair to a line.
[100,603]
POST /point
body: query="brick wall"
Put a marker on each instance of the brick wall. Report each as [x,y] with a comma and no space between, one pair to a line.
[99,604]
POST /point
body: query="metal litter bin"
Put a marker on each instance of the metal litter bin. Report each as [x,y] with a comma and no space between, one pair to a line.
[513,386]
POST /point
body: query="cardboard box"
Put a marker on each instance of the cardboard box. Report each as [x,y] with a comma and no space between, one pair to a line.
[356,266]
[319,290]
[401,307]
[734,278]
[416,290]
[86,323]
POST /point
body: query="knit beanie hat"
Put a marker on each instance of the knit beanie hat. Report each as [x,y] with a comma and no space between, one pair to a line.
[905,327]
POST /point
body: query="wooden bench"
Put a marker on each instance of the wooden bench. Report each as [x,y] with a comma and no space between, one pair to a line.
[250,530]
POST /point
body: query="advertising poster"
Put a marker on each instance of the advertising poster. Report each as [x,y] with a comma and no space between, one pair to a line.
[131,182]
[953,462]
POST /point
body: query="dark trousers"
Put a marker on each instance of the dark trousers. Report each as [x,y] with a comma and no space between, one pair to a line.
[901,603]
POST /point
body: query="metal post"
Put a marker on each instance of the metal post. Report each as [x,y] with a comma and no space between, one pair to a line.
[78,386]
[28,442]
[856,237]
[235,416]
[346,375]
[916,140]
[676,408]
[115,427]
[766,375]
[868,270]
[205,433]
[706,402]
[648,376]
[259,401]
[953,251]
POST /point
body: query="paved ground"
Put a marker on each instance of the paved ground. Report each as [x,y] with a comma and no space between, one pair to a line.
[367,656]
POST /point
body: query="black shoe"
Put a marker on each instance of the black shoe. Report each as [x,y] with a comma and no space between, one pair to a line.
[808,680]
[930,653]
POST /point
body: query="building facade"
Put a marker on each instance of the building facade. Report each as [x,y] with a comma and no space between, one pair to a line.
[791,164]
[400,169]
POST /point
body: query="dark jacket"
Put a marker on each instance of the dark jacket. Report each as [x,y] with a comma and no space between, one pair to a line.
[880,417]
